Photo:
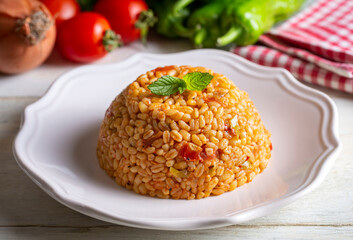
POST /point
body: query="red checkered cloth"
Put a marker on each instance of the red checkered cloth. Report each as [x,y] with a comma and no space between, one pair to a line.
[316,45]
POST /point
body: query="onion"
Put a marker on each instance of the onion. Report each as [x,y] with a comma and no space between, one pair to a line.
[27,35]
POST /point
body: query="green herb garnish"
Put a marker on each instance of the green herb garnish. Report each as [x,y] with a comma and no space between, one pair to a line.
[167,85]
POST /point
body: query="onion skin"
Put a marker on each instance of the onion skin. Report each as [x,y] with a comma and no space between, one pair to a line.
[21,48]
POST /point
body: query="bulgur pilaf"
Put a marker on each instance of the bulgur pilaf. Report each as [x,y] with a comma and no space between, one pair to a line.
[183,146]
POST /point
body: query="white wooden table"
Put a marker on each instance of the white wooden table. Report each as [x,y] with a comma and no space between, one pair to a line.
[26,212]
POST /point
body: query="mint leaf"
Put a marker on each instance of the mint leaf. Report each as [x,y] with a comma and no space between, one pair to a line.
[197,81]
[182,87]
[167,85]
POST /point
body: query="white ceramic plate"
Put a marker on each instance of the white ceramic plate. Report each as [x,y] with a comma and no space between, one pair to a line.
[57,142]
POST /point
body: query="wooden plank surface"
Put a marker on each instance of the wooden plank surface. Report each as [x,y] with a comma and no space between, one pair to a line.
[228,233]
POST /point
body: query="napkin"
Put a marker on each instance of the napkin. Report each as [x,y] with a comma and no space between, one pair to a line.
[316,45]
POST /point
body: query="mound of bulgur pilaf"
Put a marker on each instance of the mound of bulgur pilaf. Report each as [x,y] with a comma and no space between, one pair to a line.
[183,146]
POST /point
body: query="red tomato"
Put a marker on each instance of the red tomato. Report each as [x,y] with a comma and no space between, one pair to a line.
[122,15]
[80,38]
[189,154]
[62,9]
[199,154]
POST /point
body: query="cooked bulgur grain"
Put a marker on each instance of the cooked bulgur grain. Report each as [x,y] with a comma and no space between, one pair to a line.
[183,146]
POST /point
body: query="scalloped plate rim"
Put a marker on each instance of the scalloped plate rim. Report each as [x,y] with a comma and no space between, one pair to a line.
[327,157]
